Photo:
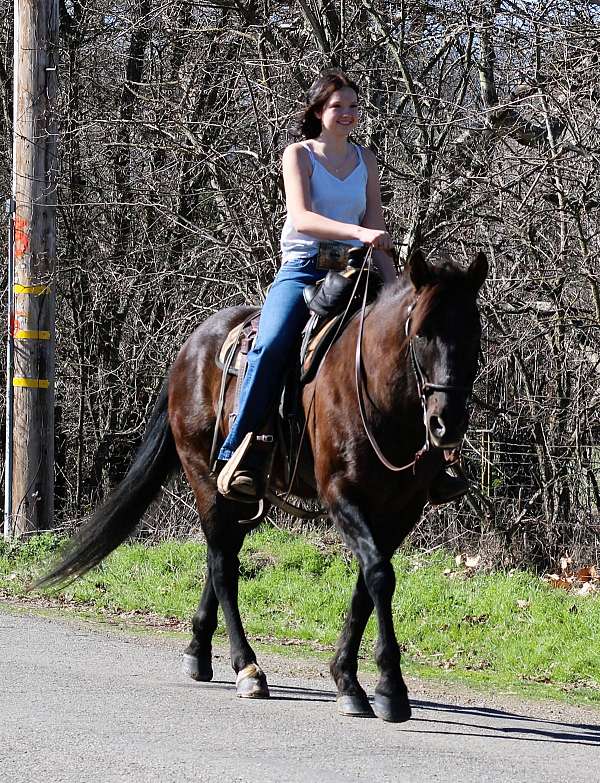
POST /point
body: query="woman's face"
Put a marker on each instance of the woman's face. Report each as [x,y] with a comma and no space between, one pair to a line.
[339,114]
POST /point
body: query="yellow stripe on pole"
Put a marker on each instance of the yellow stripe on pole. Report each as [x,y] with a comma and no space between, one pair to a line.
[31,383]
[36,290]
[32,334]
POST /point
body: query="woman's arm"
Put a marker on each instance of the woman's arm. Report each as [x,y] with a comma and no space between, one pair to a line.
[374,218]
[296,178]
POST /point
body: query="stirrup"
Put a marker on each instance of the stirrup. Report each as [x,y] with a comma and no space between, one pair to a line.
[248,483]
[245,482]
[231,469]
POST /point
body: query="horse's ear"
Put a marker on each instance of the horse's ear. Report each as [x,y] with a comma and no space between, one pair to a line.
[418,269]
[478,270]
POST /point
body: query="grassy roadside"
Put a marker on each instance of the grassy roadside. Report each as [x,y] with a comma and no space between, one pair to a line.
[495,630]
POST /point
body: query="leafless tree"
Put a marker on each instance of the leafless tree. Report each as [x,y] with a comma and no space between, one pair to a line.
[484,116]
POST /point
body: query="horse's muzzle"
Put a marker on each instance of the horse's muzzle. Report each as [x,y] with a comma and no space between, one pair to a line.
[447,425]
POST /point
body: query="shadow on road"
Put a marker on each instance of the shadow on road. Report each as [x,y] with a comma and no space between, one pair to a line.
[293,693]
[441,718]
[278,692]
[502,724]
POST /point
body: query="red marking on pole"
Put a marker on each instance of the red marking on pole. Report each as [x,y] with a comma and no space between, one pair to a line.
[18,321]
[21,236]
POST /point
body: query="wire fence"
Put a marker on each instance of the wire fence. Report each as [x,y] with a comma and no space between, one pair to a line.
[521,512]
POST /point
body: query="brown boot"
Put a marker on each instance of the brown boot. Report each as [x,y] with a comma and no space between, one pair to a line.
[248,484]
[244,478]
[449,484]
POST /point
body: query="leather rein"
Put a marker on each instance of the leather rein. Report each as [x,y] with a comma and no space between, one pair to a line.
[424,387]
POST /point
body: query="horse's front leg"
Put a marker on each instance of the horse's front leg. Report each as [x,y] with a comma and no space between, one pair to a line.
[352,700]
[391,696]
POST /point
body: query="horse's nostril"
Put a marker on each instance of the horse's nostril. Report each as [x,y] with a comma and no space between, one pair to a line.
[437,426]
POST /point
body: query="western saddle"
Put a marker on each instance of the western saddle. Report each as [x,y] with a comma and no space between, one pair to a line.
[332,303]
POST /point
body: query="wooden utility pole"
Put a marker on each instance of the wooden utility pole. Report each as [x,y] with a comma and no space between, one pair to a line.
[32,304]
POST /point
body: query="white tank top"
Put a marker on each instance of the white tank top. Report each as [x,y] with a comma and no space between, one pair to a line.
[339,199]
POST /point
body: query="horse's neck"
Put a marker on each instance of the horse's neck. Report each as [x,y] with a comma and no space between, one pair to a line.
[385,349]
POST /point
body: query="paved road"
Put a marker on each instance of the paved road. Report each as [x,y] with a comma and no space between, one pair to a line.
[81,703]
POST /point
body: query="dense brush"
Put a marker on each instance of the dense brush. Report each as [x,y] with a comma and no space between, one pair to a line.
[120,514]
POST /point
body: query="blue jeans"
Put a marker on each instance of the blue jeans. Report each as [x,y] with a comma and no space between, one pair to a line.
[282,319]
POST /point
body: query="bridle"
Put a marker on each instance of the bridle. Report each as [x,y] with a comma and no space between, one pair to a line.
[424,387]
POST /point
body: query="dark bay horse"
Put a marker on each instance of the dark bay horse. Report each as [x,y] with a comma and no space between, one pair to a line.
[416,368]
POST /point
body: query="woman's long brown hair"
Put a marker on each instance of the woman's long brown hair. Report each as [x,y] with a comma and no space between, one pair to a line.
[320,91]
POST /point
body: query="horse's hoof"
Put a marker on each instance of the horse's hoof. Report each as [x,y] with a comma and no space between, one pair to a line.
[394,710]
[251,683]
[191,666]
[355,705]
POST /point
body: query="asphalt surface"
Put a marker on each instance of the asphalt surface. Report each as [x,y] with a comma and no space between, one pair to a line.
[82,703]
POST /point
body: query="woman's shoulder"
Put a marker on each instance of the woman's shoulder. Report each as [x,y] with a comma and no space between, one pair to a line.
[371,167]
[368,155]
[296,149]
[298,153]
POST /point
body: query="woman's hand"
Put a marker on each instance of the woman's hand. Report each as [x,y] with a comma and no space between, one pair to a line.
[378,239]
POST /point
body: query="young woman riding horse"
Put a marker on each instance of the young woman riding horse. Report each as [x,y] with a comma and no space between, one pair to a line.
[332,193]
[391,395]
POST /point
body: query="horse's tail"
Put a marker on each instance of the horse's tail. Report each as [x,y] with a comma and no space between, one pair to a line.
[119,515]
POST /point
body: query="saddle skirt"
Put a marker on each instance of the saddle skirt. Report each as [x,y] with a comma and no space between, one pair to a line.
[317,336]
[230,353]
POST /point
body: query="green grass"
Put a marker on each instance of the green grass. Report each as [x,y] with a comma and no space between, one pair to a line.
[475,629]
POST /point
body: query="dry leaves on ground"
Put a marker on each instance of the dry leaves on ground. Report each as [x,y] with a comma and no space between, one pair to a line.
[466,566]
[581,581]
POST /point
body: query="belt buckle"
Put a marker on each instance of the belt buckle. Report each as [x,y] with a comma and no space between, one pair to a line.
[332,255]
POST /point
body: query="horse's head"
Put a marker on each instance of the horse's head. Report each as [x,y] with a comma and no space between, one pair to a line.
[445,333]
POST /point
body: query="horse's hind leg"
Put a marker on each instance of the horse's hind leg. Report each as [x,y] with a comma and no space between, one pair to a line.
[352,700]
[197,659]
[225,538]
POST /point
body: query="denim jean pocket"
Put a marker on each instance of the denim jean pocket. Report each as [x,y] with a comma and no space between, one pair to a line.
[300,263]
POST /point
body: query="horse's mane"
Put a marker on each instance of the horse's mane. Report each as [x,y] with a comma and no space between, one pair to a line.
[447,277]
